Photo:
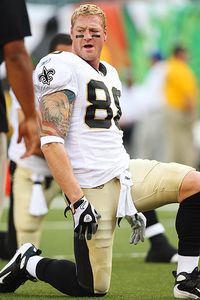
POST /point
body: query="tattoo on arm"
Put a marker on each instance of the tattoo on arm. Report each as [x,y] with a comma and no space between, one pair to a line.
[55,111]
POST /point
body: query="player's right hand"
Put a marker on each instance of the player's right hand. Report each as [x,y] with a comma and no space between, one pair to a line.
[85,218]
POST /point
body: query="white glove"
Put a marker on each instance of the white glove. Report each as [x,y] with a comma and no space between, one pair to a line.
[138,225]
[85,218]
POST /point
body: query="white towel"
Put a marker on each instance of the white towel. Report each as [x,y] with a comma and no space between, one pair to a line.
[126,206]
[38,205]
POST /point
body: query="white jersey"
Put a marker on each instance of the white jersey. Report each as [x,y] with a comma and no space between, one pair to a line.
[94,140]
[34,163]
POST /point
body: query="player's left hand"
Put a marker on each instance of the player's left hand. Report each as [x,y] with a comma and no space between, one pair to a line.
[138,225]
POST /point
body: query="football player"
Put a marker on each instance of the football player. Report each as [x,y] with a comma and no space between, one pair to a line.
[82,142]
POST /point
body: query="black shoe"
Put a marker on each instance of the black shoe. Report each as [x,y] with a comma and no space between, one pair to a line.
[14,273]
[166,254]
[187,285]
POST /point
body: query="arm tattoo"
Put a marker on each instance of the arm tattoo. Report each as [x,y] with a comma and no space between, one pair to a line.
[55,111]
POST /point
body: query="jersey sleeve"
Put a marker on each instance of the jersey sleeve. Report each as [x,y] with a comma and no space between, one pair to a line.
[53,74]
[14,21]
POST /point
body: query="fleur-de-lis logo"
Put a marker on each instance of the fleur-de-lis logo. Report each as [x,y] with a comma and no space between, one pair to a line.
[46,76]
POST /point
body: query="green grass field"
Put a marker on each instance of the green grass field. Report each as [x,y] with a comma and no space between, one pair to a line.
[132,278]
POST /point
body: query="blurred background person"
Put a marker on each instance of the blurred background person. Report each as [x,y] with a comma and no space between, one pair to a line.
[148,140]
[33,177]
[60,42]
[142,118]
[181,109]
[14,27]
[30,175]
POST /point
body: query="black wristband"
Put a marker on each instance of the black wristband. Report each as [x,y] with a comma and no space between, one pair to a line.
[78,202]
[74,202]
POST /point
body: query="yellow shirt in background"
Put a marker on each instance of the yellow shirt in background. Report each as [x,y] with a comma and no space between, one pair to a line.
[180,85]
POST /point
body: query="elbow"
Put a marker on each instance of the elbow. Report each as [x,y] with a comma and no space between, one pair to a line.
[14,51]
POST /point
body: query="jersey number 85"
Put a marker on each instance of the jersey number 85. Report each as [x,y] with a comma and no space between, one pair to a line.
[96,104]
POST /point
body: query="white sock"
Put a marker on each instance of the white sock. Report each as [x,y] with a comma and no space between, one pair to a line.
[32,264]
[154,230]
[187,263]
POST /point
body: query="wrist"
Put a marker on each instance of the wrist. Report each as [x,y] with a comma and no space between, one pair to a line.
[77,203]
[31,115]
[73,200]
[73,205]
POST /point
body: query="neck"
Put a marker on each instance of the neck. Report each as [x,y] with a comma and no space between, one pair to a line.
[94,64]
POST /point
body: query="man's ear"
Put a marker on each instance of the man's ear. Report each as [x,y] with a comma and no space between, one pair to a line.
[71,33]
[105,35]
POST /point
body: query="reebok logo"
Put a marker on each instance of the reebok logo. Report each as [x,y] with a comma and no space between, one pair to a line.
[83,205]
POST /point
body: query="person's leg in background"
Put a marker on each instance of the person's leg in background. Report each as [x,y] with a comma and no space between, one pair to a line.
[29,225]
[11,239]
[8,244]
[8,239]
[160,248]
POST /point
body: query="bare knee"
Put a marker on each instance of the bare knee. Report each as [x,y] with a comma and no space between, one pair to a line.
[190,185]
